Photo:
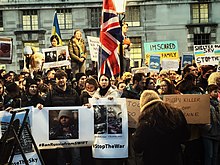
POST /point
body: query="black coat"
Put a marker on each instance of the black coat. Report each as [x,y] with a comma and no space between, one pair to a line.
[160,146]
[58,97]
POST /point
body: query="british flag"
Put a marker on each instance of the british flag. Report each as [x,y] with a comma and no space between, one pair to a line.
[110,38]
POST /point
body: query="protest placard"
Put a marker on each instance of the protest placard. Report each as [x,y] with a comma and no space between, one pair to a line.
[170,64]
[166,49]
[111,128]
[133,107]
[49,134]
[187,58]
[56,57]
[144,70]
[207,54]
[154,63]
[195,107]
[93,47]
[6,47]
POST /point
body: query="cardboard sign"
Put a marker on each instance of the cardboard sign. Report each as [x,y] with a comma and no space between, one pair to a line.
[133,107]
[195,107]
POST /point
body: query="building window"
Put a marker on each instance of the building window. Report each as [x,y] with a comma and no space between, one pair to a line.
[132,16]
[95,16]
[135,53]
[201,39]
[65,18]
[200,13]
[1,20]
[30,20]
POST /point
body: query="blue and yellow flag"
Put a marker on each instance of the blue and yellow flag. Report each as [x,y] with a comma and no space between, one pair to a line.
[56,28]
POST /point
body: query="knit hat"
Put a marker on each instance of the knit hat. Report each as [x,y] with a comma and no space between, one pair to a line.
[12,88]
[66,113]
[30,81]
[148,97]
[79,75]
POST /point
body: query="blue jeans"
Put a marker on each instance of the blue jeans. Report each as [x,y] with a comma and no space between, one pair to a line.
[211,151]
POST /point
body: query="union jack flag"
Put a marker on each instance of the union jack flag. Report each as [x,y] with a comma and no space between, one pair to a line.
[110,37]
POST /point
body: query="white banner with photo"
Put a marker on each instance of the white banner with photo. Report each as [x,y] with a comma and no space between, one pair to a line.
[25,139]
[111,128]
[56,57]
[63,127]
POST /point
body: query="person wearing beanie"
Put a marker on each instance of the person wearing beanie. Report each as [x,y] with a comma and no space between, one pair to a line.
[211,132]
[206,71]
[13,97]
[80,82]
[65,129]
[31,95]
[161,130]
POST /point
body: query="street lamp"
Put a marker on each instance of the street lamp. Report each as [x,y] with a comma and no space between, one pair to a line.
[120,9]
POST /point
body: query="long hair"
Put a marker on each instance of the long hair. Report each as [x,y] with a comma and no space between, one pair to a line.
[161,115]
[171,87]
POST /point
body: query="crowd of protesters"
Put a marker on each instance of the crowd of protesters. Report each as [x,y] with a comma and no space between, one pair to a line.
[183,144]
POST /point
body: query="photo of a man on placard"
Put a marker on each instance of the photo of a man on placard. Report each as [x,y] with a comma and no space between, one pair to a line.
[114,120]
[100,121]
[65,126]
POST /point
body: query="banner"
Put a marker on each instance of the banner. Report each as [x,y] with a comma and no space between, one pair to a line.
[63,127]
[166,49]
[111,128]
[25,139]
[94,44]
[56,57]
[207,54]
[195,107]
[133,107]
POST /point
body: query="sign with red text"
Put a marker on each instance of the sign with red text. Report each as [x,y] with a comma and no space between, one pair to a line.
[195,107]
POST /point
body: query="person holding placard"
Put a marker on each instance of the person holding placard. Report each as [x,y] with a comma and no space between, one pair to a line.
[160,131]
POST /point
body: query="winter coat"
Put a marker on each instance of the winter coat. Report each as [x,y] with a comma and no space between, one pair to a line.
[212,130]
[58,97]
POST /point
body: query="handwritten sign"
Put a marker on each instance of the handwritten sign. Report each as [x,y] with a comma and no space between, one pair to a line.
[166,49]
[133,107]
[93,47]
[196,108]
[207,54]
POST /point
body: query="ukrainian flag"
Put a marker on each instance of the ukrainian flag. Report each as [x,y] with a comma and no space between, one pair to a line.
[56,28]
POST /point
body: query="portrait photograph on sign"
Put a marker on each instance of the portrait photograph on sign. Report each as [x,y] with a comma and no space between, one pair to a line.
[63,124]
[63,127]
[6,46]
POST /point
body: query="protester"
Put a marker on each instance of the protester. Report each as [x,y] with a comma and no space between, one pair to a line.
[167,87]
[91,85]
[31,96]
[150,84]
[80,82]
[211,132]
[77,51]
[61,95]
[54,40]
[106,91]
[2,95]
[160,131]
[126,48]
